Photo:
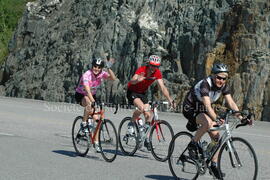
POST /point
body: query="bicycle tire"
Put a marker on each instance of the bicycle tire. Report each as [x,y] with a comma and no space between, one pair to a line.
[108,141]
[179,158]
[128,143]
[245,153]
[80,140]
[160,141]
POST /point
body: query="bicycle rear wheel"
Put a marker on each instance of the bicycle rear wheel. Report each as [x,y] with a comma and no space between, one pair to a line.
[160,136]
[181,165]
[128,138]
[242,163]
[81,140]
[108,141]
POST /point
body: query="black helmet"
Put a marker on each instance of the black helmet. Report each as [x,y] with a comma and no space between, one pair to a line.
[98,62]
[220,68]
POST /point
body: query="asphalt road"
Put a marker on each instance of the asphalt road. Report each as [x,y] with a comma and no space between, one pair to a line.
[35,143]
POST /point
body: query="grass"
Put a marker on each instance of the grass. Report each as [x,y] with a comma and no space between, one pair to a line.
[10,13]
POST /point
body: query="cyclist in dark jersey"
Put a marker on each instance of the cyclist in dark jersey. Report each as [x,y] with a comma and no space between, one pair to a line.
[198,110]
[138,85]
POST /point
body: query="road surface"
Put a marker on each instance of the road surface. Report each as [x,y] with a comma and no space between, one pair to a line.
[35,143]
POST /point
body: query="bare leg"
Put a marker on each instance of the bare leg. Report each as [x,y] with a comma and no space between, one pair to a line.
[214,136]
[206,123]
[139,104]
[95,117]
[86,103]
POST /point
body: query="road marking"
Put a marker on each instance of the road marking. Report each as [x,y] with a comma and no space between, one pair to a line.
[6,134]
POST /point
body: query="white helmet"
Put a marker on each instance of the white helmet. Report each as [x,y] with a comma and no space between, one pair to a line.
[154,60]
[219,68]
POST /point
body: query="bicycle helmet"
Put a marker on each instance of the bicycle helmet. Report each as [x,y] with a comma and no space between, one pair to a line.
[98,62]
[154,60]
[220,68]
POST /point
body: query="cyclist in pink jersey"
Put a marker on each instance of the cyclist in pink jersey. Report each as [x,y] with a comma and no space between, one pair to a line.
[138,85]
[86,90]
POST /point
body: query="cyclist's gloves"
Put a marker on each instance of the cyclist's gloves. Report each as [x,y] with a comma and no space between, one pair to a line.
[109,64]
[219,121]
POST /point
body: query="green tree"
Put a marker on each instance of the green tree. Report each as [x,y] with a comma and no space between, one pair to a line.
[10,13]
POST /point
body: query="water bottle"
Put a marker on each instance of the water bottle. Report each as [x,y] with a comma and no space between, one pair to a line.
[204,148]
[211,146]
[204,145]
[140,124]
[141,127]
[130,128]
[91,125]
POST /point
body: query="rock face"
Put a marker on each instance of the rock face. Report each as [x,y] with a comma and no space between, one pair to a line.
[56,39]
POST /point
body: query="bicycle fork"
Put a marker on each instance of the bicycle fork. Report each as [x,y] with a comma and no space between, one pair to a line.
[105,132]
[234,158]
[160,135]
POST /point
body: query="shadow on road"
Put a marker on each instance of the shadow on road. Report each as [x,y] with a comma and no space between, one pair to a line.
[66,153]
[159,177]
[136,155]
[74,154]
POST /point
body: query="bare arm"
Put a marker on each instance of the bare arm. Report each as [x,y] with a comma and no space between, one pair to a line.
[109,63]
[137,78]
[232,104]
[111,75]
[89,94]
[165,91]
[210,111]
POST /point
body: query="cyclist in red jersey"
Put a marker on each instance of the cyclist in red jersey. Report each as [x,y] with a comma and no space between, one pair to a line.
[138,85]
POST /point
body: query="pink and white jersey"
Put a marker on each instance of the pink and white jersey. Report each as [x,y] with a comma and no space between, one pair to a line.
[89,79]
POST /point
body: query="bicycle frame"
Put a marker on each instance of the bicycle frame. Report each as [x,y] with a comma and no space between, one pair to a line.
[101,114]
[154,121]
[203,158]
[225,138]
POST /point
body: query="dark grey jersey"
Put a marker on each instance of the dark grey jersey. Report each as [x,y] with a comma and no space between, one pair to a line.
[206,87]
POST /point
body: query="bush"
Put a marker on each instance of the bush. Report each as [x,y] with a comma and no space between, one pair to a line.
[10,13]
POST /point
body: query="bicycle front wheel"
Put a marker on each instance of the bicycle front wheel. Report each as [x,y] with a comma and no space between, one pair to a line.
[160,137]
[80,139]
[181,165]
[239,161]
[128,136]
[108,141]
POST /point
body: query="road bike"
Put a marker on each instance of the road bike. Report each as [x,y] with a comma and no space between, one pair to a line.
[132,135]
[236,157]
[107,137]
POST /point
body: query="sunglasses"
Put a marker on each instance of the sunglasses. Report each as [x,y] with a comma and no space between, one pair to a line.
[221,78]
[98,67]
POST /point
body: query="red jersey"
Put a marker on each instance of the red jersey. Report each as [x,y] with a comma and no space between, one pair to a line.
[141,87]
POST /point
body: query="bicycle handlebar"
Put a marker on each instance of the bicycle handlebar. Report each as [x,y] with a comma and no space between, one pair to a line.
[158,102]
[246,120]
[100,104]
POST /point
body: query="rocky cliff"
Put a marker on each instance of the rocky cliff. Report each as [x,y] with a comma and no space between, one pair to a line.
[56,39]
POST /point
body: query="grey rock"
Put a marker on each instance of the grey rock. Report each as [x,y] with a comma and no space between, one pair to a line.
[55,41]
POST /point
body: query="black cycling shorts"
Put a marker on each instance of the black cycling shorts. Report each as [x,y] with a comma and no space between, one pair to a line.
[191,113]
[79,97]
[133,95]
